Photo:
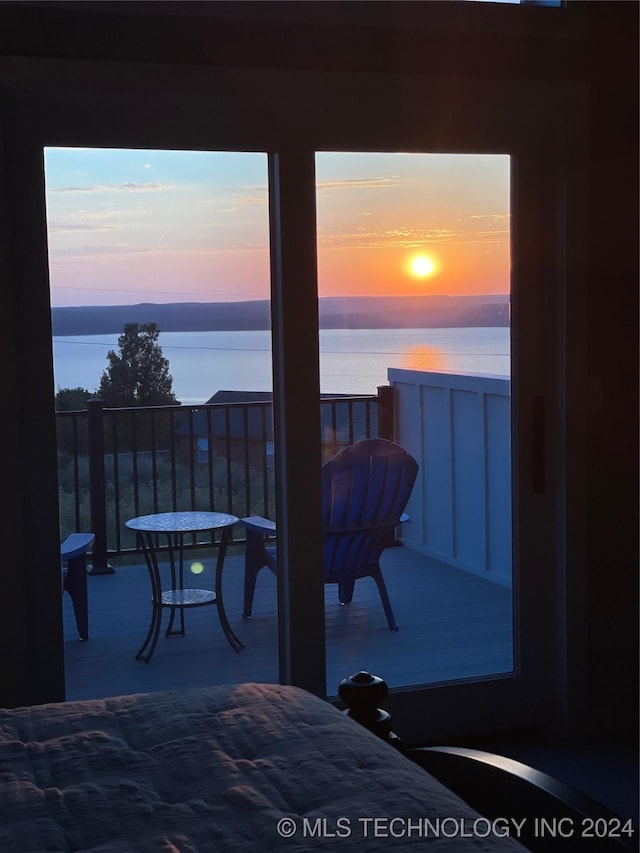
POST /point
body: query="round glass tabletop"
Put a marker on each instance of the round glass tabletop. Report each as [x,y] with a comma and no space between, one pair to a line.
[181,522]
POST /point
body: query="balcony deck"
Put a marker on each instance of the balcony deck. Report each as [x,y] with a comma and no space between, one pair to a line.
[453,625]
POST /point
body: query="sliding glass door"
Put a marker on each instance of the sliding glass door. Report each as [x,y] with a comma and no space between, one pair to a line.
[159,277]
[427,284]
[414,260]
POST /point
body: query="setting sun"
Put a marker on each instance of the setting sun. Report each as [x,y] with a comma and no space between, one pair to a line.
[422,266]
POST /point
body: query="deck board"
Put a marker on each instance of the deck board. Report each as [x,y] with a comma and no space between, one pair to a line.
[453,625]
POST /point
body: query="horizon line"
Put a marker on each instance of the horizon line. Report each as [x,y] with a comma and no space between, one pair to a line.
[452,296]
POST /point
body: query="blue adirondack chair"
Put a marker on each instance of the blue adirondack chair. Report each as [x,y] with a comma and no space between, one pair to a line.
[73,553]
[365,489]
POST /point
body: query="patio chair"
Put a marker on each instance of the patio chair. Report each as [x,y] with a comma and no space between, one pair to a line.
[73,553]
[365,489]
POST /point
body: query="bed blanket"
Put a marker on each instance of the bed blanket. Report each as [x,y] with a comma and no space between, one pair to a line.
[246,768]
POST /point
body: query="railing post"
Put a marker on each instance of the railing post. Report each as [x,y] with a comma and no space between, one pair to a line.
[97,491]
[385,412]
[385,430]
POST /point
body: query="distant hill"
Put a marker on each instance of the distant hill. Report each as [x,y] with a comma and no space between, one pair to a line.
[349,312]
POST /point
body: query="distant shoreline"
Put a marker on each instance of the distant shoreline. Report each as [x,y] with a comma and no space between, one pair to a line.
[349,312]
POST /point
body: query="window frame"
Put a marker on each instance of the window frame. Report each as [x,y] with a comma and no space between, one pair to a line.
[290,118]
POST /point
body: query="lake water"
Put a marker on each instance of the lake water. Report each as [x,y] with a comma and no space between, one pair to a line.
[352,361]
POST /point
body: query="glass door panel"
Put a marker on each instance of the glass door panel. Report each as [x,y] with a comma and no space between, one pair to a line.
[414,280]
[160,294]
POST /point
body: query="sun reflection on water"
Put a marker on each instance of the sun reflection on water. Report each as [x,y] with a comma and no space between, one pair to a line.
[422,357]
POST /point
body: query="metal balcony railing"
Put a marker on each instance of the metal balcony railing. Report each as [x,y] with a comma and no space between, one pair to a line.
[116,463]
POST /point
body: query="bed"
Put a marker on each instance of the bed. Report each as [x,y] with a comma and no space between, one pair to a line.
[249,767]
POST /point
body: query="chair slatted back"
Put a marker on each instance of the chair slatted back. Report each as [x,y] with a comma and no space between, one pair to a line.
[365,491]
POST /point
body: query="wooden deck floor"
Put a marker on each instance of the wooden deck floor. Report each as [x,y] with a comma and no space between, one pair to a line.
[453,625]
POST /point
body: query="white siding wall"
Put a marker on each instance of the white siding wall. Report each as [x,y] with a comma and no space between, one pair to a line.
[458,428]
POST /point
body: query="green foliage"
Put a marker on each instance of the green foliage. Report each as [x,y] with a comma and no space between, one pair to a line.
[67,511]
[132,488]
[67,471]
[71,428]
[139,374]
[72,399]
[152,464]
[72,435]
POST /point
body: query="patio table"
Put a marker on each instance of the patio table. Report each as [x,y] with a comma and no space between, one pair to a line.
[175,526]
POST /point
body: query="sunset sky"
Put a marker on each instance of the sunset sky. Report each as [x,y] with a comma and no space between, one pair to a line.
[129,226]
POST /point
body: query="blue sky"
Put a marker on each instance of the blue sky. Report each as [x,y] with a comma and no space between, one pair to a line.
[129,226]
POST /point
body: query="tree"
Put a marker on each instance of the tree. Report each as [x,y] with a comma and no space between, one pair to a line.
[71,430]
[139,374]
[72,399]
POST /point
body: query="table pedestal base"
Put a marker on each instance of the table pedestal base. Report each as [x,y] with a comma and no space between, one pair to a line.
[179,598]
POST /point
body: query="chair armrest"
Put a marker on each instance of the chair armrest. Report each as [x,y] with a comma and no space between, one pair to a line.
[258,524]
[76,544]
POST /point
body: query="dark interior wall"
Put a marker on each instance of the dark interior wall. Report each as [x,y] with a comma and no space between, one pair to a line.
[13,667]
[32,625]
[440,38]
[612,294]
[596,44]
